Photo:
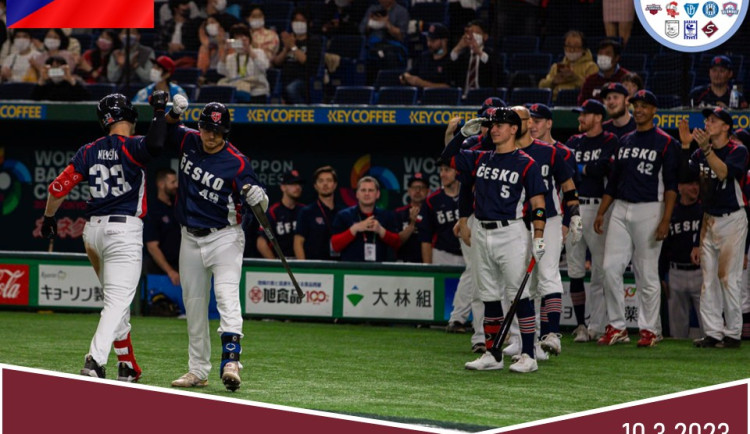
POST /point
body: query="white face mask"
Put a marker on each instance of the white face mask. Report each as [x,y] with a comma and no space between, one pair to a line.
[604,62]
[478,38]
[299,27]
[52,43]
[375,24]
[221,5]
[212,29]
[155,75]
[257,23]
[21,44]
[573,55]
[56,74]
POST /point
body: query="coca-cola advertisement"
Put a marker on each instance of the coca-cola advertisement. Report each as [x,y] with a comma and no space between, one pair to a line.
[14,284]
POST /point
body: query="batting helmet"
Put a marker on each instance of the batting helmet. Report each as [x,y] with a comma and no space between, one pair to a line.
[215,117]
[115,108]
[501,115]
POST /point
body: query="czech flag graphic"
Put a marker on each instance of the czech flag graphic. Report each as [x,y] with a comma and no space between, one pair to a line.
[47,14]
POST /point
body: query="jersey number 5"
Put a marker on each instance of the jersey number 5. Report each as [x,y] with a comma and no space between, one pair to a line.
[108,180]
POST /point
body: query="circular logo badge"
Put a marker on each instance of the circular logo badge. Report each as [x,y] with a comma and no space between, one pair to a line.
[691,26]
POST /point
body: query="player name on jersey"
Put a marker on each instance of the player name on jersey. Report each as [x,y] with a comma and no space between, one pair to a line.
[199,174]
[639,153]
[684,226]
[586,156]
[497,174]
[107,154]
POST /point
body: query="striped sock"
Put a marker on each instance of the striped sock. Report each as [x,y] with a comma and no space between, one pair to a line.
[543,318]
[578,297]
[527,324]
[493,321]
[124,351]
[553,304]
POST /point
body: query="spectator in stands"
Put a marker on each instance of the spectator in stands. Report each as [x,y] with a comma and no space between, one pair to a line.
[93,64]
[299,59]
[385,26]
[618,18]
[633,83]
[262,37]
[179,33]
[244,67]
[161,232]
[312,237]
[577,64]
[409,216]
[166,14]
[55,44]
[74,46]
[432,67]
[282,216]
[16,67]
[610,71]
[341,17]
[620,122]
[718,91]
[57,83]
[140,59]
[461,13]
[218,9]
[364,232]
[473,61]
[213,37]
[160,74]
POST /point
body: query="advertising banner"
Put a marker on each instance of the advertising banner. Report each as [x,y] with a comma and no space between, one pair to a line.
[389,297]
[274,294]
[69,286]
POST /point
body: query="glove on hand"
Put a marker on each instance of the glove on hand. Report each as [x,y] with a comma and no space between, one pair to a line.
[472,127]
[538,249]
[575,228]
[158,100]
[49,227]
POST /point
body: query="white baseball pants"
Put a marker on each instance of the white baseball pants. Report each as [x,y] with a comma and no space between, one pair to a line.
[684,291]
[545,277]
[501,260]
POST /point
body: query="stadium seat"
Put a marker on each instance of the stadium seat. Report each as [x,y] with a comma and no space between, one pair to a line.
[388,77]
[671,82]
[528,68]
[521,44]
[669,101]
[189,90]
[633,62]
[643,44]
[477,96]
[353,95]
[567,97]
[523,95]
[671,62]
[16,90]
[349,46]
[552,44]
[436,12]
[222,94]
[397,95]
[186,75]
[351,72]
[441,96]
[278,10]
[273,76]
[98,91]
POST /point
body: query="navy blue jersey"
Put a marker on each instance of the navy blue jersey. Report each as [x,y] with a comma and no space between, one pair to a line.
[283,223]
[644,167]
[554,173]
[610,127]
[114,167]
[411,249]
[440,213]
[355,251]
[728,195]
[314,225]
[478,143]
[160,225]
[502,182]
[210,184]
[593,155]
[684,232]
[568,155]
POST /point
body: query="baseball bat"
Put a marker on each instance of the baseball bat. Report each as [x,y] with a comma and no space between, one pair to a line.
[51,247]
[263,220]
[505,328]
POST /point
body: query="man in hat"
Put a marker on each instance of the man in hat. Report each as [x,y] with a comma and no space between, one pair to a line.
[160,75]
[615,97]
[431,68]
[718,91]
[721,163]
[642,190]
[282,216]
[409,217]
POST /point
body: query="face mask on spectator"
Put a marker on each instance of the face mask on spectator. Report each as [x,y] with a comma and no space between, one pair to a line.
[257,23]
[21,44]
[56,74]
[478,38]
[104,44]
[375,24]
[604,62]
[573,55]
[212,29]
[299,27]
[125,39]
[221,5]
[155,75]
[52,43]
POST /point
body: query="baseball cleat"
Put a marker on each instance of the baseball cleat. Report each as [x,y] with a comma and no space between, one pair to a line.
[647,339]
[189,380]
[539,353]
[92,369]
[486,362]
[524,364]
[551,343]
[514,348]
[231,376]
[613,336]
[478,348]
[455,327]
[707,342]
[728,342]
[126,373]
[581,334]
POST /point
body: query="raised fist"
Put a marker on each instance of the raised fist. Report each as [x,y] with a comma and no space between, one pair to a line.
[158,100]
[179,105]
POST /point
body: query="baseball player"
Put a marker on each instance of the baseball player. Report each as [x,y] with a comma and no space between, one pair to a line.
[615,97]
[722,164]
[546,283]
[593,148]
[282,216]
[114,167]
[744,136]
[642,190]
[408,217]
[502,180]
[212,175]
[476,136]
[312,237]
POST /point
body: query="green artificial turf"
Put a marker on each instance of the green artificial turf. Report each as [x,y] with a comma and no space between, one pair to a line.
[398,373]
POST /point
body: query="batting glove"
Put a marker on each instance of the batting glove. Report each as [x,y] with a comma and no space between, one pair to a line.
[575,229]
[158,100]
[49,227]
[179,105]
[255,195]
[538,249]
[472,127]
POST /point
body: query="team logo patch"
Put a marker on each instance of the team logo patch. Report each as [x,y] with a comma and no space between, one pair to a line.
[319,220]
[672,9]
[691,29]
[216,116]
[539,213]
[108,119]
[672,28]
[691,9]
[653,9]
[710,9]
[709,29]
[730,9]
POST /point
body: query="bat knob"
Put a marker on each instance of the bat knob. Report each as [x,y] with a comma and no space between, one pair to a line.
[245,188]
